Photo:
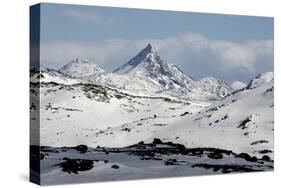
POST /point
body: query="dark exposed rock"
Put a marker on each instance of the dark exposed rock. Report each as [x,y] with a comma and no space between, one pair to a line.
[115,166]
[212,109]
[247,157]
[76,165]
[157,141]
[226,168]
[81,148]
[266,158]
[185,113]
[264,151]
[141,143]
[243,123]
[260,142]
[224,117]
[126,129]
[269,90]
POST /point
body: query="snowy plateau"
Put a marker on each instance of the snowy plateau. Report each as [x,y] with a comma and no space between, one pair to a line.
[147,119]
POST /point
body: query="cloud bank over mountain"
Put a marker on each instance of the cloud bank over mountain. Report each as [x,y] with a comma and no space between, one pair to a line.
[195,54]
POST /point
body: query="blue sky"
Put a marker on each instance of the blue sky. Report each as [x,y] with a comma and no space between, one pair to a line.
[228,47]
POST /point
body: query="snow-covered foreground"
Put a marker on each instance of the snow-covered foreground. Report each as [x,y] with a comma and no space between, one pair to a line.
[155,160]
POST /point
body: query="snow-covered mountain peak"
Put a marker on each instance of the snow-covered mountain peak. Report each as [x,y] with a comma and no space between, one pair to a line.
[81,68]
[151,73]
[260,79]
[146,58]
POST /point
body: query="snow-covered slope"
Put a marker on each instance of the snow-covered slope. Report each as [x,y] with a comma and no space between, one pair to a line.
[81,68]
[242,122]
[45,74]
[260,79]
[79,114]
[75,114]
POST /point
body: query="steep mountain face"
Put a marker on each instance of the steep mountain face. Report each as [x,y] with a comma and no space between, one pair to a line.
[148,63]
[81,68]
[147,73]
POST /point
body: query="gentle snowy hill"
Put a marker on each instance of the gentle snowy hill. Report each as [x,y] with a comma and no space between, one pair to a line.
[81,68]
[242,122]
[78,114]
[45,74]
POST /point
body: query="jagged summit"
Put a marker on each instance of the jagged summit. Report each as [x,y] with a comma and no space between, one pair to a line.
[147,55]
[147,71]
[81,68]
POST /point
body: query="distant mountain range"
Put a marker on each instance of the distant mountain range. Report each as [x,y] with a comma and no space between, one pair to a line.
[145,74]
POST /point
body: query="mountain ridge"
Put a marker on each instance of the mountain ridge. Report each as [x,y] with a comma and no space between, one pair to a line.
[148,74]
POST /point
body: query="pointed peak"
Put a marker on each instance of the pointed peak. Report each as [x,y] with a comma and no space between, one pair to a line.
[149,48]
[146,55]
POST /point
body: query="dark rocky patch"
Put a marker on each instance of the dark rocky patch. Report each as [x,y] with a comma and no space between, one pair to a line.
[115,166]
[226,168]
[265,151]
[243,123]
[185,113]
[269,90]
[212,109]
[247,157]
[260,142]
[126,129]
[224,117]
[76,165]
[217,121]
[81,148]
[266,158]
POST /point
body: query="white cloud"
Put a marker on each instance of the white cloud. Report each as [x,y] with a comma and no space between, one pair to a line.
[192,52]
[236,85]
